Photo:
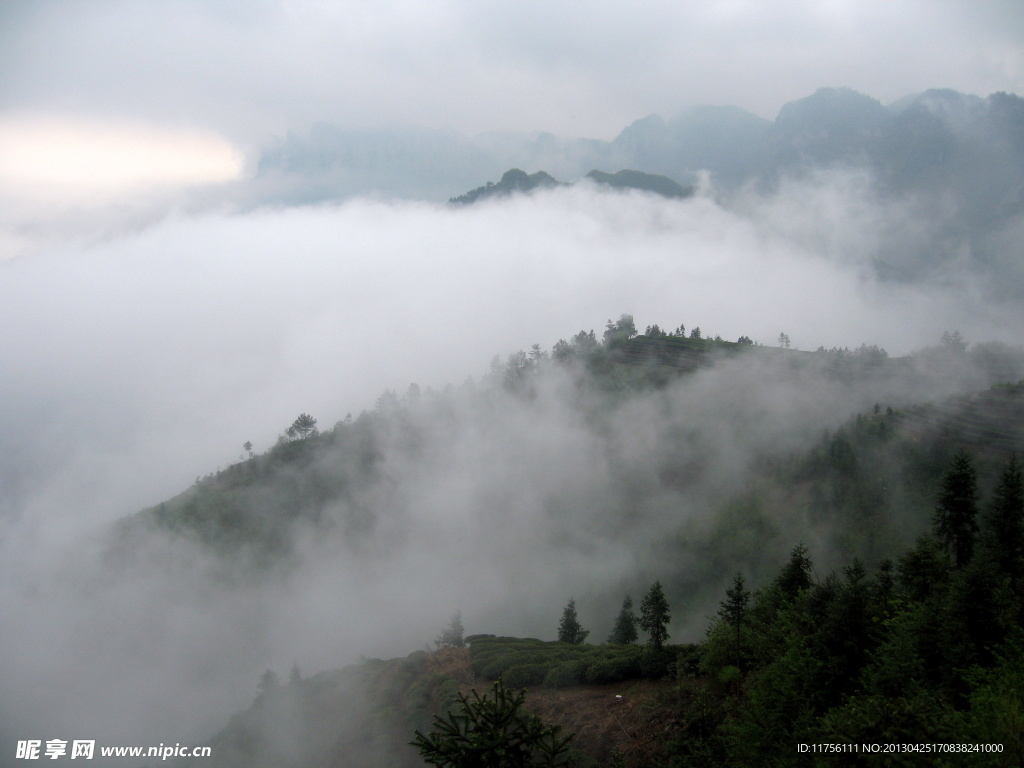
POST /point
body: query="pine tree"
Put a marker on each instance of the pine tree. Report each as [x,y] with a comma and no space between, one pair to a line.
[569,629]
[624,631]
[1004,522]
[885,582]
[954,521]
[796,574]
[734,609]
[482,731]
[654,616]
[302,427]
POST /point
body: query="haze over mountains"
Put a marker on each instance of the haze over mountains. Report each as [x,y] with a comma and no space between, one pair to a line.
[950,164]
[336,277]
[965,143]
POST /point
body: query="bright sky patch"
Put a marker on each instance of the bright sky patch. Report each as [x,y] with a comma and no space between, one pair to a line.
[44,156]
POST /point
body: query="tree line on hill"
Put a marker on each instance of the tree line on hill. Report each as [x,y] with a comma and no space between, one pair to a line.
[926,650]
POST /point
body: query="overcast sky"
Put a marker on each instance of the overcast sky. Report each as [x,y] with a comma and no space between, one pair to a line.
[103,96]
[246,69]
[135,359]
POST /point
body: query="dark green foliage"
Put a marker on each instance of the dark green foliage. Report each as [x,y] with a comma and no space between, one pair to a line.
[1004,523]
[569,629]
[582,346]
[447,694]
[885,584]
[796,575]
[619,332]
[922,569]
[302,427]
[654,616]
[917,719]
[624,631]
[957,509]
[492,731]
[657,661]
[559,665]
[524,675]
[733,611]
[996,714]
[615,669]
[563,676]
[702,712]
[975,616]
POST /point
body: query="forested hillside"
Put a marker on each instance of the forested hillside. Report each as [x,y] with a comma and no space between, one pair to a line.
[850,521]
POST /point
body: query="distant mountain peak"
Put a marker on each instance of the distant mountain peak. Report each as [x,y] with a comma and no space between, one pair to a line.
[513,180]
[517,181]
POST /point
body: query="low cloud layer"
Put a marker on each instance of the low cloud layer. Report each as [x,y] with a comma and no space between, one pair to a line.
[136,364]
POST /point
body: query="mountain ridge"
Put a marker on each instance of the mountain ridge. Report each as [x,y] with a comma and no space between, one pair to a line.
[517,181]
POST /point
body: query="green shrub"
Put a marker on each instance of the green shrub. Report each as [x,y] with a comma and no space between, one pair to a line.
[523,675]
[729,675]
[655,662]
[497,667]
[562,676]
[615,669]
[447,694]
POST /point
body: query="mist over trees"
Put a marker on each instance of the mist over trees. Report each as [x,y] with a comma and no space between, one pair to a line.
[897,485]
[707,452]
[754,406]
[712,457]
[569,629]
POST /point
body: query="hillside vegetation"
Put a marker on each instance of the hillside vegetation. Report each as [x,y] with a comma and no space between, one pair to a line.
[839,534]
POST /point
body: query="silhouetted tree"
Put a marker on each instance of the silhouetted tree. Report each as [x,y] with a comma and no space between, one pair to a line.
[884,584]
[302,427]
[485,732]
[796,574]
[619,332]
[954,342]
[654,615]
[733,609]
[624,631]
[569,629]
[922,569]
[957,508]
[452,635]
[1004,523]
[269,682]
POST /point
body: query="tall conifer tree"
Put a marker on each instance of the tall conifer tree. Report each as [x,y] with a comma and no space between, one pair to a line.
[624,631]
[654,615]
[955,515]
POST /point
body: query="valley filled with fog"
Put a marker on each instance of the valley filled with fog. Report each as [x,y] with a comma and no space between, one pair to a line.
[146,361]
[321,322]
